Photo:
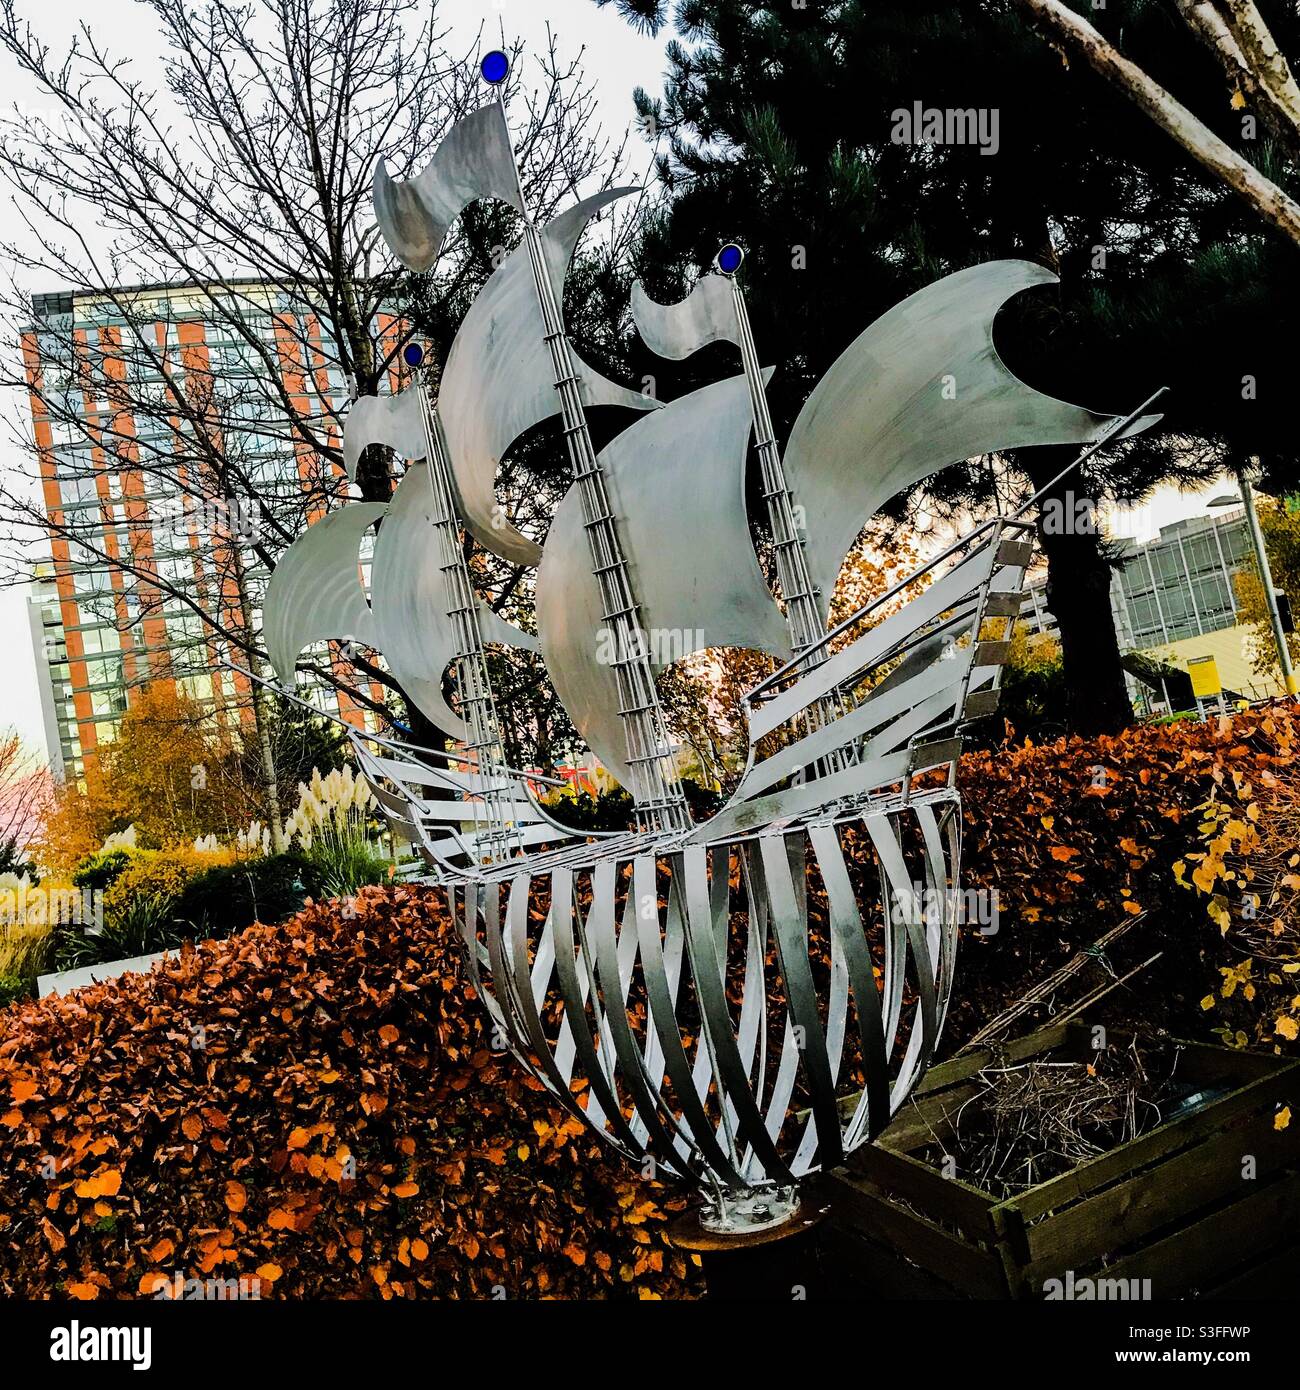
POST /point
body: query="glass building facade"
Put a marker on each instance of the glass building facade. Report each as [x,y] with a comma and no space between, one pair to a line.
[1176,586]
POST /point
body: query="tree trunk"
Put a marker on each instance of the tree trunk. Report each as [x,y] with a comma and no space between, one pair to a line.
[1078,594]
[262,728]
[1079,37]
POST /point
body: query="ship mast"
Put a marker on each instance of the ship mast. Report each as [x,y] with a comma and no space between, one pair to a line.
[802,609]
[660,802]
[500,839]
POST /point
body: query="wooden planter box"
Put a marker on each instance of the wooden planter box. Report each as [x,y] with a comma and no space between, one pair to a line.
[1171,1206]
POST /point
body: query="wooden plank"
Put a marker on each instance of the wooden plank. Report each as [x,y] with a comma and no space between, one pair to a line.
[946,1200]
[858,1205]
[1208,1063]
[1206,1173]
[925,1121]
[1192,1258]
[1279,1084]
[853,1266]
[959,1068]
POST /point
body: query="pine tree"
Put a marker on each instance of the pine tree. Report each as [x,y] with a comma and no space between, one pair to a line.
[775,129]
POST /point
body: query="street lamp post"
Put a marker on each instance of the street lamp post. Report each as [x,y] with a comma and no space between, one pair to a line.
[1265,576]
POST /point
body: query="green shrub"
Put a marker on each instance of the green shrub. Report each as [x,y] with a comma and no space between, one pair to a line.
[161,874]
[14,988]
[336,866]
[140,926]
[102,868]
[231,897]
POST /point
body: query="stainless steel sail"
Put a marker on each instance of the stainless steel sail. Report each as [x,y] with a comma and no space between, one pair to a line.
[498,381]
[921,388]
[677,482]
[412,625]
[315,593]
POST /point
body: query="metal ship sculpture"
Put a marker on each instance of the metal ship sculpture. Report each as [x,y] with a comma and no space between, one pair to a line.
[745,999]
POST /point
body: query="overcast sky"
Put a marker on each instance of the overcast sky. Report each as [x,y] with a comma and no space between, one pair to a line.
[616,57]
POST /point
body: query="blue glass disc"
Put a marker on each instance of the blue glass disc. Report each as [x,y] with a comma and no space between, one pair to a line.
[494,67]
[412,354]
[729,258]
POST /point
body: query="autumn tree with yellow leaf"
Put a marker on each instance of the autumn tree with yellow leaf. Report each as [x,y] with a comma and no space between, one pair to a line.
[173,773]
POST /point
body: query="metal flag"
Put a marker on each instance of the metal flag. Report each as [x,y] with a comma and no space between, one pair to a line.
[706,315]
[474,161]
[395,421]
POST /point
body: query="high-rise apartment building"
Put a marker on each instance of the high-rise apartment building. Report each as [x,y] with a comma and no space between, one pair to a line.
[119,476]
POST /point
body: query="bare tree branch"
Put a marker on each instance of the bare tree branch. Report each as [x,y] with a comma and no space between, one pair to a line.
[1080,37]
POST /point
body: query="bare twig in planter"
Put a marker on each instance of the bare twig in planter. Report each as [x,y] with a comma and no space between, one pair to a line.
[1039,1118]
[1043,991]
[1102,991]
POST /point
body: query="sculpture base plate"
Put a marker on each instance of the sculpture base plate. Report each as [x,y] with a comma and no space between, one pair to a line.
[770,1263]
[701,1232]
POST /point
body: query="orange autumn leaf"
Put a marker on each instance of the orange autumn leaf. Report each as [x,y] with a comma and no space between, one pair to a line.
[86,1293]
[299,1139]
[389,1034]
[105,1184]
[236,1195]
[406,1189]
[22,1090]
[160,1252]
[191,1127]
[1063,853]
[419,1249]
[269,1272]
